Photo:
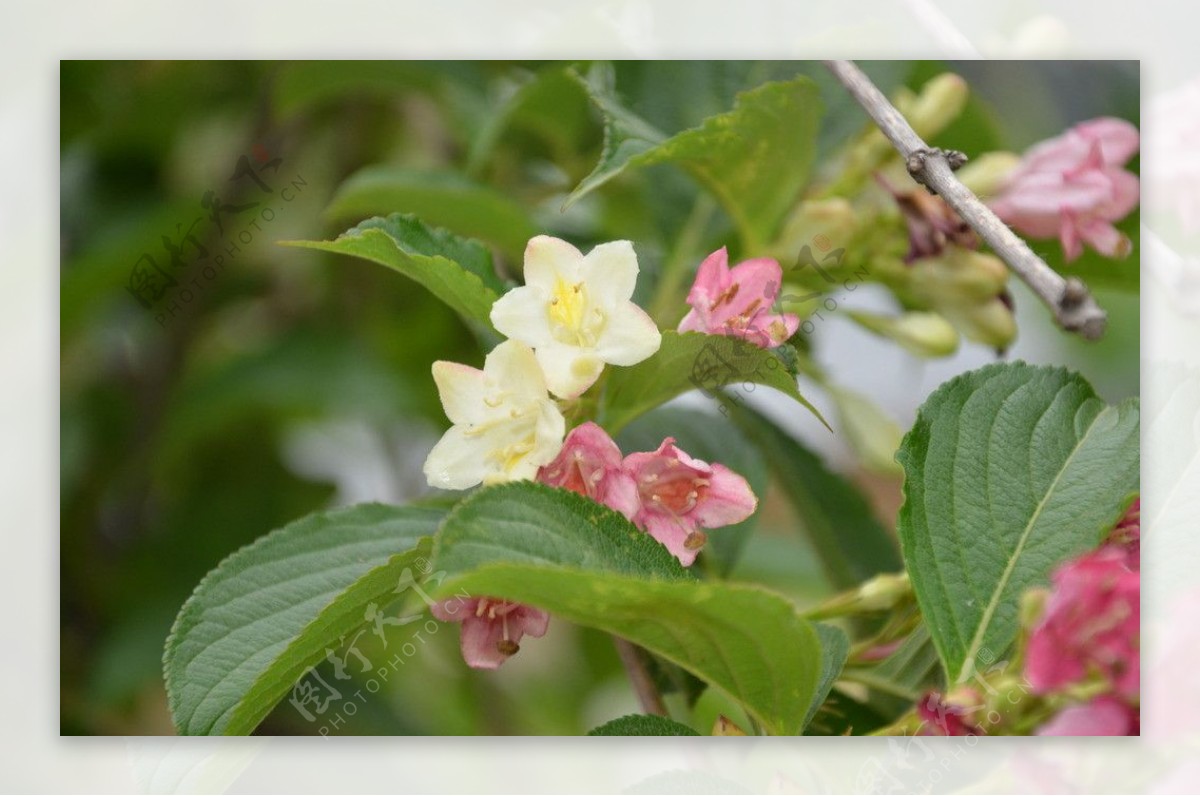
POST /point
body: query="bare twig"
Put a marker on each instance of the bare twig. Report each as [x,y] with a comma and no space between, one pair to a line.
[1068,299]
[643,685]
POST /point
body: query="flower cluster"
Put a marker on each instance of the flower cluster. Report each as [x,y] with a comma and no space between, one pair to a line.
[1089,634]
[665,492]
[573,316]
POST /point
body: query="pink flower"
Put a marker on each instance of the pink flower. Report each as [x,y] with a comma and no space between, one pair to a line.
[680,495]
[1073,187]
[1127,536]
[491,628]
[1105,715]
[736,302]
[1091,626]
[590,464]
[941,717]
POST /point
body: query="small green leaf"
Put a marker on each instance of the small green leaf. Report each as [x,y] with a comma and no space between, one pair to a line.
[835,647]
[587,564]
[755,158]
[690,360]
[456,270]
[444,199]
[852,545]
[1010,469]
[640,724]
[268,612]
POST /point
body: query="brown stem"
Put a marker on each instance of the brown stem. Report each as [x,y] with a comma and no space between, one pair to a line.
[1068,299]
[643,684]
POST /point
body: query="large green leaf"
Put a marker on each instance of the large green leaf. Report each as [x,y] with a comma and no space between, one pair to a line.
[456,270]
[852,545]
[641,724]
[691,360]
[587,564]
[269,611]
[442,198]
[755,158]
[1010,469]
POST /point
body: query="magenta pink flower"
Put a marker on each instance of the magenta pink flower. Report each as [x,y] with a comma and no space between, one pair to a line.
[940,717]
[1105,715]
[491,628]
[1091,626]
[736,302]
[1074,187]
[590,463]
[680,495]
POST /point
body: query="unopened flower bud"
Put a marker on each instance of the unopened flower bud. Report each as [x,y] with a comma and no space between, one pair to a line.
[925,334]
[883,592]
[874,436]
[989,322]
[957,276]
[723,726]
[986,174]
[825,225]
[940,102]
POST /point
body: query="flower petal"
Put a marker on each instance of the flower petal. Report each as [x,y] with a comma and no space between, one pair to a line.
[729,499]
[479,641]
[569,370]
[610,271]
[521,314]
[457,461]
[455,609]
[629,337]
[462,390]
[514,368]
[672,533]
[547,259]
[527,620]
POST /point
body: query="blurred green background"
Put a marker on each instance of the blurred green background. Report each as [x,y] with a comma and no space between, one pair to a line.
[291,381]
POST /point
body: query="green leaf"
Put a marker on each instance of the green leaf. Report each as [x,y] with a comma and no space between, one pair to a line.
[755,158]
[711,439]
[639,724]
[587,564]
[1010,469]
[444,199]
[835,648]
[688,361]
[852,545]
[456,270]
[268,612]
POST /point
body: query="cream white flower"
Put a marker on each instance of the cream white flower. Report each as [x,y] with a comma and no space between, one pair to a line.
[576,313]
[506,426]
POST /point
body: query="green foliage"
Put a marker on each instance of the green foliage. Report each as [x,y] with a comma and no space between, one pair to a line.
[1010,469]
[688,361]
[441,198]
[269,611]
[835,646]
[755,159]
[586,564]
[639,724]
[456,270]
[833,514]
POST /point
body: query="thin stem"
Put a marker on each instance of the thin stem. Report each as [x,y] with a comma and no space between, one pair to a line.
[1073,307]
[643,684]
